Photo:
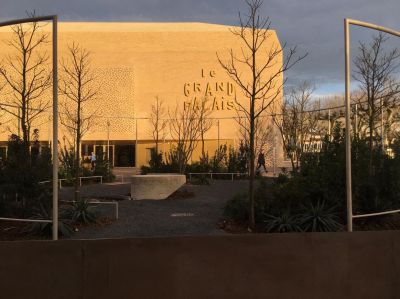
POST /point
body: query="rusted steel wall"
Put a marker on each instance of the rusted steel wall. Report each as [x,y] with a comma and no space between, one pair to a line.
[330,265]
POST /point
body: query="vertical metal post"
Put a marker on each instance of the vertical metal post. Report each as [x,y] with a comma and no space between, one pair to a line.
[356,121]
[348,124]
[382,129]
[218,136]
[329,124]
[108,144]
[136,143]
[274,161]
[49,129]
[274,158]
[19,122]
[164,141]
[55,132]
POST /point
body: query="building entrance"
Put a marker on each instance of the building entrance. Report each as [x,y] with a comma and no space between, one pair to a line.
[124,155]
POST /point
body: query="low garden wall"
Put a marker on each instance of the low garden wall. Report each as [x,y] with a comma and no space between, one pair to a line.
[330,265]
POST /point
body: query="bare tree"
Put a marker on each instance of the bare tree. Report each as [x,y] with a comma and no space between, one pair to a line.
[158,121]
[206,123]
[26,75]
[261,61]
[374,70]
[264,134]
[298,123]
[185,129]
[77,85]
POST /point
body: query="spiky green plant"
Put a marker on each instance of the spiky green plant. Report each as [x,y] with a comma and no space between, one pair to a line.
[282,223]
[45,229]
[319,217]
[82,211]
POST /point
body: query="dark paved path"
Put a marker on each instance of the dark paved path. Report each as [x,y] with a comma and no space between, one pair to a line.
[197,215]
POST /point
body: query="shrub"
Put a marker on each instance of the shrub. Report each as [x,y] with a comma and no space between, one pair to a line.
[282,223]
[200,180]
[81,211]
[237,208]
[20,175]
[67,168]
[104,169]
[46,229]
[319,217]
[145,169]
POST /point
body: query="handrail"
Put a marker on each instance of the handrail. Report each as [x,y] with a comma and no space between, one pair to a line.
[376,214]
[89,177]
[80,179]
[217,173]
[26,220]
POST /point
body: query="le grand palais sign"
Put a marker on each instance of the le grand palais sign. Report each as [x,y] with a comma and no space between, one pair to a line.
[218,95]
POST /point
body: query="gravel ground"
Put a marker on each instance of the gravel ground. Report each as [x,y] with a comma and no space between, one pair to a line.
[197,215]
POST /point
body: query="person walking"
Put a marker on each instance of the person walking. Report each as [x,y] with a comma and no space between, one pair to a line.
[261,161]
[93,160]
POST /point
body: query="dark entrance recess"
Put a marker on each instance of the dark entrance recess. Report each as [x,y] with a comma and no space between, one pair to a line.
[99,152]
[125,155]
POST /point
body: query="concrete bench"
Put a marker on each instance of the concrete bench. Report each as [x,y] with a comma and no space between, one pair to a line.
[155,186]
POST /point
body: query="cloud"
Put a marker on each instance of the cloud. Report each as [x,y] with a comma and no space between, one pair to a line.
[315,26]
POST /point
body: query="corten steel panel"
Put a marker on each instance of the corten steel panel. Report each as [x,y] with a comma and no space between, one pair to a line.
[41,269]
[330,265]
[371,265]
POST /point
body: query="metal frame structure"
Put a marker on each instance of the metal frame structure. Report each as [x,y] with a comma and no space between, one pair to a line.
[347,23]
[53,19]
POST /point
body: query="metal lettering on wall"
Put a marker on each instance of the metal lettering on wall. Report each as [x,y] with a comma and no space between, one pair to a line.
[218,94]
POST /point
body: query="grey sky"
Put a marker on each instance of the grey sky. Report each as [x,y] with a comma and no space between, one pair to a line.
[316,26]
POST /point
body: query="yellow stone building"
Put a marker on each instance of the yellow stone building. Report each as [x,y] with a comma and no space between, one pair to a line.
[136,62]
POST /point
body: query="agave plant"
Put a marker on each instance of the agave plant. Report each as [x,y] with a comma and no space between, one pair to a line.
[319,217]
[83,212]
[283,223]
[64,227]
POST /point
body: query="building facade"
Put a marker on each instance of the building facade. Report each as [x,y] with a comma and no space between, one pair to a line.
[135,63]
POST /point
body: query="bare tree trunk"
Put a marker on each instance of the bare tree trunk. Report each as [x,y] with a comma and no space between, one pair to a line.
[252,221]
[265,85]
[77,158]
[203,153]
[78,87]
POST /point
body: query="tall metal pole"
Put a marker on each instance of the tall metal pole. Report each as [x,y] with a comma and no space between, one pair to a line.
[347,23]
[19,122]
[49,130]
[55,132]
[274,153]
[382,129]
[218,135]
[356,121]
[348,125]
[163,142]
[108,144]
[55,112]
[329,124]
[136,142]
